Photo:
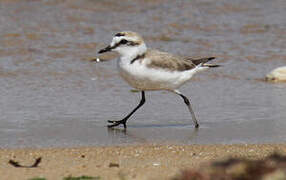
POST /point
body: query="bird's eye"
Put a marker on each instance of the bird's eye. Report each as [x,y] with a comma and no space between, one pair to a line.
[123,41]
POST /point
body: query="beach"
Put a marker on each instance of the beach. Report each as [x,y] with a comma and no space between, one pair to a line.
[146,161]
[55,102]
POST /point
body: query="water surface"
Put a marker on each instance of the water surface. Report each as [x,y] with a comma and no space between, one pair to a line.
[52,95]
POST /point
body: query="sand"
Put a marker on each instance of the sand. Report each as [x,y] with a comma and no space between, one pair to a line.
[123,162]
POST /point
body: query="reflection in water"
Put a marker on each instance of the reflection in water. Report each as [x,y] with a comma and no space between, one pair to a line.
[125,135]
[152,134]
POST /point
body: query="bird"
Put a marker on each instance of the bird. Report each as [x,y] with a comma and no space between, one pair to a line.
[147,69]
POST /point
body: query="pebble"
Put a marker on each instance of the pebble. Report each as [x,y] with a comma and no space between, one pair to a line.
[156,164]
[278,74]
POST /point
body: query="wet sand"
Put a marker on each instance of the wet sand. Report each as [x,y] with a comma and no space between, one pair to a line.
[124,162]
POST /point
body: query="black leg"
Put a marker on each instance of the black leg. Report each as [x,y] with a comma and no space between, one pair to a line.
[187,102]
[124,120]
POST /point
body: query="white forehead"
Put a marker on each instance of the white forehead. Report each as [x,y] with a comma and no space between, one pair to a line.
[115,40]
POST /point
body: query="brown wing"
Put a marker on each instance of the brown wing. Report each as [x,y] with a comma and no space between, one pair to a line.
[201,60]
[163,60]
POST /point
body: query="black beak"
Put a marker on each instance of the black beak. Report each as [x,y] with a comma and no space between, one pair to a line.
[108,48]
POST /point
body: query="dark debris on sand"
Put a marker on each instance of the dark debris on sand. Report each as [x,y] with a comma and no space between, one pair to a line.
[273,167]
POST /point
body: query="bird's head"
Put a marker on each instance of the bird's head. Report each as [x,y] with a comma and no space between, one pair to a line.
[126,43]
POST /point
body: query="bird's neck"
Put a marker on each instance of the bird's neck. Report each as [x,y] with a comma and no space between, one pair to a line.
[133,53]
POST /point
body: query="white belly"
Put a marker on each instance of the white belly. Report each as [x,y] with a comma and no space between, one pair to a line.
[143,78]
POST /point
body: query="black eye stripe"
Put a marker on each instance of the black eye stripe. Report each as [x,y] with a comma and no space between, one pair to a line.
[128,43]
[133,43]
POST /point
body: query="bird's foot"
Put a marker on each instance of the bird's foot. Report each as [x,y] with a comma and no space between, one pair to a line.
[197,126]
[117,123]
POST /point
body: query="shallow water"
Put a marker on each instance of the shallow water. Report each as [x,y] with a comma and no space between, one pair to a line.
[52,95]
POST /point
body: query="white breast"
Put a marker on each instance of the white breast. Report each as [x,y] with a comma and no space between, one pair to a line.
[139,76]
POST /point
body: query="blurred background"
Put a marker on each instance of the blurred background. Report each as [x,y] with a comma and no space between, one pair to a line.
[51,94]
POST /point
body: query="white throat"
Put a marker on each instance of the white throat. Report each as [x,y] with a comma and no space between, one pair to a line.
[131,52]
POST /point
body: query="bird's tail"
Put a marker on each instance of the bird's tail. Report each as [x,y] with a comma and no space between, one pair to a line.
[203,62]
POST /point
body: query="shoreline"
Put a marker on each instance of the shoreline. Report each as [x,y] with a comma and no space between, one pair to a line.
[124,162]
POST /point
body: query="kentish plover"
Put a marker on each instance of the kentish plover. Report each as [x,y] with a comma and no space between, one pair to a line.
[148,69]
